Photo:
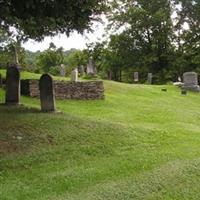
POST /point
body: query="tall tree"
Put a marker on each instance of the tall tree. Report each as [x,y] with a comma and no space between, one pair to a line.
[146,32]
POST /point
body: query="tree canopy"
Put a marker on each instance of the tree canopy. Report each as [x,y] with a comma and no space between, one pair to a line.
[39,18]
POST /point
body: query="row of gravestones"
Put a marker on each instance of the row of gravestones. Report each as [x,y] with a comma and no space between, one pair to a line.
[190,80]
[46,88]
[149,77]
[90,70]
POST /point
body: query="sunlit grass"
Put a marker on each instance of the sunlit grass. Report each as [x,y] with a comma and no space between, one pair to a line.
[138,143]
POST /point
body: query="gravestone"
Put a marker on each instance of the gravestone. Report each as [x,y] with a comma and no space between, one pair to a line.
[149,78]
[190,81]
[90,67]
[74,75]
[12,85]
[47,98]
[62,70]
[136,76]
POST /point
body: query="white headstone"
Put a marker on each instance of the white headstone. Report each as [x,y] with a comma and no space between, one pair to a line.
[149,78]
[136,77]
[62,70]
[74,75]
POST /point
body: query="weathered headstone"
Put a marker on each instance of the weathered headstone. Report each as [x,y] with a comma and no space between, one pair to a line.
[62,70]
[74,75]
[90,67]
[190,81]
[47,98]
[12,85]
[149,78]
[136,76]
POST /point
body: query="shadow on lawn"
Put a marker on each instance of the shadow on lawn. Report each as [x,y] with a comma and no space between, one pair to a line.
[18,109]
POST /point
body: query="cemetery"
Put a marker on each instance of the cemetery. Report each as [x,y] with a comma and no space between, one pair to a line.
[114,118]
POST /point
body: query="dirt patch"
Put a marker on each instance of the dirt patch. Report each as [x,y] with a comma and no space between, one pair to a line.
[7,147]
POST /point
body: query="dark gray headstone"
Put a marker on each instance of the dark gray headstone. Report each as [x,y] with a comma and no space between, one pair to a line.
[12,85]
[149,78]
[190,81]
[136,76]
[47,98]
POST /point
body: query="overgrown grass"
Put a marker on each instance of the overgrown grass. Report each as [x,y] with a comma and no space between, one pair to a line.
[138,143]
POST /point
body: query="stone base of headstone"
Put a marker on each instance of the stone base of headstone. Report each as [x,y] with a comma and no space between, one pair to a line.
[194,88]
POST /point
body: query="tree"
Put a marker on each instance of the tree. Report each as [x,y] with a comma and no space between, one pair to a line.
[188,25]
[144,35]
[51,59]
[40,18]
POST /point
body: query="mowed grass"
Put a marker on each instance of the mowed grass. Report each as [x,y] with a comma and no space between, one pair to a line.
[138,143]
[30,75]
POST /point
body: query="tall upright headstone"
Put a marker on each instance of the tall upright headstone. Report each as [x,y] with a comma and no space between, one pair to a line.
[47,97]
[190,81]
[90,67]
[136,77]
[12,85]
[149,78]
[74,75]
[62,70]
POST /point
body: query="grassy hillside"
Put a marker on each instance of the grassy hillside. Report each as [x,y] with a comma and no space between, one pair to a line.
[138,143]
[29,75]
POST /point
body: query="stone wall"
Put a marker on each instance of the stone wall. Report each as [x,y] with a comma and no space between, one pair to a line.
[67,89]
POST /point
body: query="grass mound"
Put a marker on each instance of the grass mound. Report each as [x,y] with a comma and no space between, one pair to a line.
[138,143]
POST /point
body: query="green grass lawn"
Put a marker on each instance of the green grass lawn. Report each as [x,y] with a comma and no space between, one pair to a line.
[138,143]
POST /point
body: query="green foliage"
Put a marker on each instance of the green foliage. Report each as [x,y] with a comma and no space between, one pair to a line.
[76,59]
[36,19]
[50,58]
[161,37]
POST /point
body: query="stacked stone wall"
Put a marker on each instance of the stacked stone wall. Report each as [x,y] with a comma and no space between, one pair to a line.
[67,89]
